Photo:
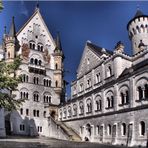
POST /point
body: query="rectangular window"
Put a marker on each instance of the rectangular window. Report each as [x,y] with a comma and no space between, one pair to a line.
[22,127]
[21,111]
[27,112]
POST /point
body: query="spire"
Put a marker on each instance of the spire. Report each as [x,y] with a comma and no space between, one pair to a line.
[12,31]
[37,5]
[139,12]
[58,42]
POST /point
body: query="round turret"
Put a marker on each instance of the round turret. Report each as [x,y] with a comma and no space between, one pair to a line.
[138,31]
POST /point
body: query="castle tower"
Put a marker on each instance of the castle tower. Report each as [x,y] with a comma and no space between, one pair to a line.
[138,31]
[58,72]
[11,43]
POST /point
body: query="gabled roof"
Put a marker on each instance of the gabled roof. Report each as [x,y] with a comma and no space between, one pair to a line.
[37,11]
[98,50]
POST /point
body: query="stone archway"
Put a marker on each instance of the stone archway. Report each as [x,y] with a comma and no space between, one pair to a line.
[88,132]
[53,114]
[8,124]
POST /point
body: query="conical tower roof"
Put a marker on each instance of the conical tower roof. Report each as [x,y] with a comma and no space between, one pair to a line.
[138,14]
[12,31]
[58,42]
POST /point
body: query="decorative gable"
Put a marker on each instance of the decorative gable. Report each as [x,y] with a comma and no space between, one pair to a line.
[89,60]
[36,30]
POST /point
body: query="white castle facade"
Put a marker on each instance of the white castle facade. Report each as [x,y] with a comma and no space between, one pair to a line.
[109,99]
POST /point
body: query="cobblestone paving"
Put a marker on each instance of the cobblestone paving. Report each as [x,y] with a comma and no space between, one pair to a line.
[48,143]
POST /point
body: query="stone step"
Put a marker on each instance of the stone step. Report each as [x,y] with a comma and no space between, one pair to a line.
[70,132]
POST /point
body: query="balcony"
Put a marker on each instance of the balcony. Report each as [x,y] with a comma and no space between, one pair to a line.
[38,69]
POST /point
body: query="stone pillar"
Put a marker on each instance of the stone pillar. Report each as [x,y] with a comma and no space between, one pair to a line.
[92,133]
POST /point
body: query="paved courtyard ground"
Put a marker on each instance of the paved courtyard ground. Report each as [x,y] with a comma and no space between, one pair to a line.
[17,142]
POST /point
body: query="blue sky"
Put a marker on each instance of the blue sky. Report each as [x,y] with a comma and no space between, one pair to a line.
[101,22]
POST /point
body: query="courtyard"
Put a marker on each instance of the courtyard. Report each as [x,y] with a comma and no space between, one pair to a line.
[42,142]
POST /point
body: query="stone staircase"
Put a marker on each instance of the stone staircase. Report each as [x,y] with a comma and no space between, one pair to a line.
[73,136]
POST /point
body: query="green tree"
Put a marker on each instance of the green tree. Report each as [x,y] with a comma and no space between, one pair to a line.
[8,84]
[1,5]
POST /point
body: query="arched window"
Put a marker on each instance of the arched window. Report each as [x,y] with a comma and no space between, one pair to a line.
[108,102]
[64,113]
[142,128]
[38,113]
[97,130]
[56,83]
[122,98]
[36,97]
[134,31]
[123,129]
[38,47]
[31,61]
[36,62]
[138,28]
[88,129]
[109,71]
[109,129]
[40,62]
[41,48]
[140,93]
[49,83]
[89,105]
[44,82]
[98,105]
[112,101]
[146,91]
[21,111]
[81,108]
[98,78]
[32,45]
[69,111]
[142,28]
[127,96]
[56,66]
[75,110]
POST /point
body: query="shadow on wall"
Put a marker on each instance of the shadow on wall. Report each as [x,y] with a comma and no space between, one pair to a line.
[16,125]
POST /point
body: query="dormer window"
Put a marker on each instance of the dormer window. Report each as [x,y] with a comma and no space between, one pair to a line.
[109,71]
[88,61]
[88,83]
[81,87]
[98,78]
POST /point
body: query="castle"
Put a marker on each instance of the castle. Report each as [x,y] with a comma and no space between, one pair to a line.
[109,98]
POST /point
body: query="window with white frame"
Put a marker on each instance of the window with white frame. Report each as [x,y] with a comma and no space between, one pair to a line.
[109,130]
[74,110]
[142,128]
[98,78]
[81,106]
[123,129]
[88,83]
[81,87]
[109,71]
[89,105]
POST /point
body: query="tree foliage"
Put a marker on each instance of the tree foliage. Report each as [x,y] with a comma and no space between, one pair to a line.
[1,5]
[8,84]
